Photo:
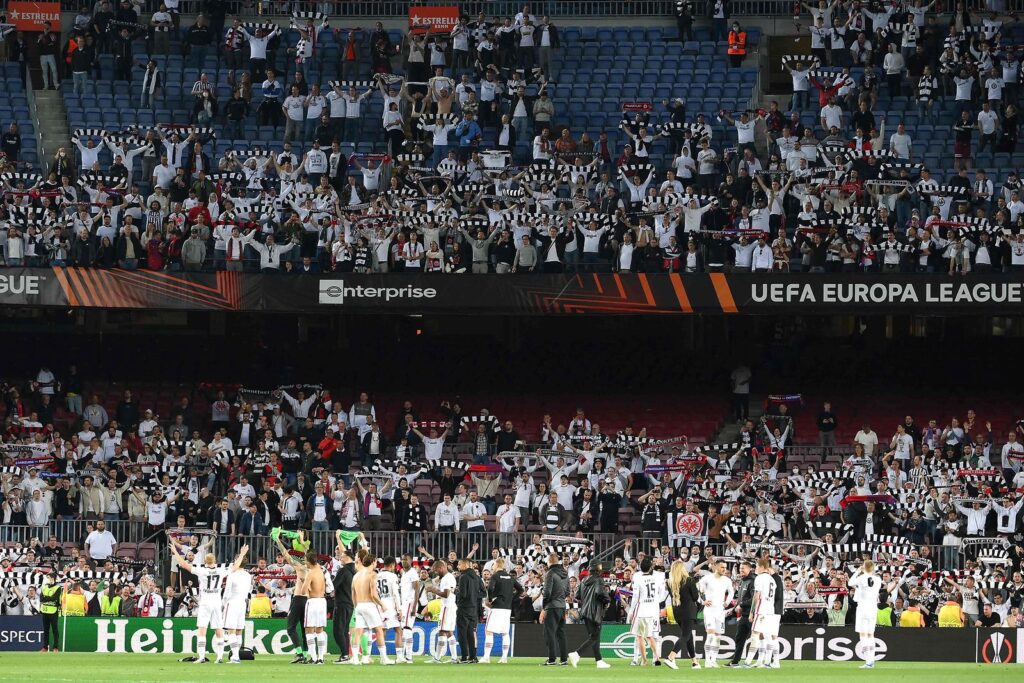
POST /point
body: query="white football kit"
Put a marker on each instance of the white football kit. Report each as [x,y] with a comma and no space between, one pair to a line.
[719,591]
[446,622]
[236,594]
[408,603]
[649,592]
[387,590]
[867,588]
[766,621]
[210,613]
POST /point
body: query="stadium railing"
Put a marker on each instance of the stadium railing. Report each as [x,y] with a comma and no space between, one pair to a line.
[137,541]
[396,543]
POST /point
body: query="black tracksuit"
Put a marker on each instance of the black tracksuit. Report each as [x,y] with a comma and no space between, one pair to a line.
[343,606]
[744,598]
[469,607]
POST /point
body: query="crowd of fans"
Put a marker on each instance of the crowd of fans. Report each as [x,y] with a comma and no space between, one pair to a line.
[472,174]
[938,507]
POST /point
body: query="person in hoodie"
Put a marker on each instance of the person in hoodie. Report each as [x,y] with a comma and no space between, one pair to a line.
[552,615]
[593,600]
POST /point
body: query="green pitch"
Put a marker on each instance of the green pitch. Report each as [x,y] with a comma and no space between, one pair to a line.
[76,667]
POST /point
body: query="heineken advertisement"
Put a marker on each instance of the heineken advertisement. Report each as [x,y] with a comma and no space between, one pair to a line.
[110,635]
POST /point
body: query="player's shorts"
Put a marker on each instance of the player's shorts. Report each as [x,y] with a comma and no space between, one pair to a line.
[407,615]
[714,620]
[210,615]
[767,624]
[234,615]
[391,616]
[446,621]
[498,621]
[645,627]
[316,613]
[368,615]
[865,623]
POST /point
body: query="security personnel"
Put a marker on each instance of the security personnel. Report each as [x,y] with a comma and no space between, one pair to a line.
[885,615]
[74,601]
[737,45]
[49,603]
[260,606]
[744,599]
[110,604]
[951,615]
[912,617]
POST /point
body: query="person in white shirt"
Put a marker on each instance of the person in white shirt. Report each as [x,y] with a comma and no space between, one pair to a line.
[868,439]
[507,518]
[988,124]
[444,588]
[717,592]
[649,593]
[446,515]
[801,85]
[764,621]
[433,445]
[352,123]
[867,587]
[762,257]
[900,144]
[294,110]
[831,115]
[894,66]
[270,252]
[409,595]
[237,589]
[210,615]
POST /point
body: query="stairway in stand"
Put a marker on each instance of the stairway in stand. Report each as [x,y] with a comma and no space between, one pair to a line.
[53,126]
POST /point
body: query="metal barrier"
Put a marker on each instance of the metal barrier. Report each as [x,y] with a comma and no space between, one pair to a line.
[72,531]
[438,545]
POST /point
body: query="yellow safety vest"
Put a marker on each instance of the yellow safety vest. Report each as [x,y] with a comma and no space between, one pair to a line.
[48,599]
[110,607]
[74,604]
[949,616]
[911,618]
[260,607]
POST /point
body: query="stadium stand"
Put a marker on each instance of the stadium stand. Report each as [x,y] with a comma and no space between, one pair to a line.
[895,185]
[629,98]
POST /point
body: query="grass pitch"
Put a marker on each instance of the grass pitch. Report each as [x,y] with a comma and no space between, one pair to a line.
[81,667]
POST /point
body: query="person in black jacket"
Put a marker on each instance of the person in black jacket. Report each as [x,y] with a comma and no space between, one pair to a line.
[744,598]
[552,615]
[128,249]
[685,600]
[594,600]
[502,590]
[469,609]
[343,606]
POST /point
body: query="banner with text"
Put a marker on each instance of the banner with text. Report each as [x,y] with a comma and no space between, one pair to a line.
[817,643]
[179,636]
[567,294]
[30,16]
[434,19]
[22,634]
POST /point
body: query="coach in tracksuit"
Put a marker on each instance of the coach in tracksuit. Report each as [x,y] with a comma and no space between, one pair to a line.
[744,598]
[343,606]
[469,609]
